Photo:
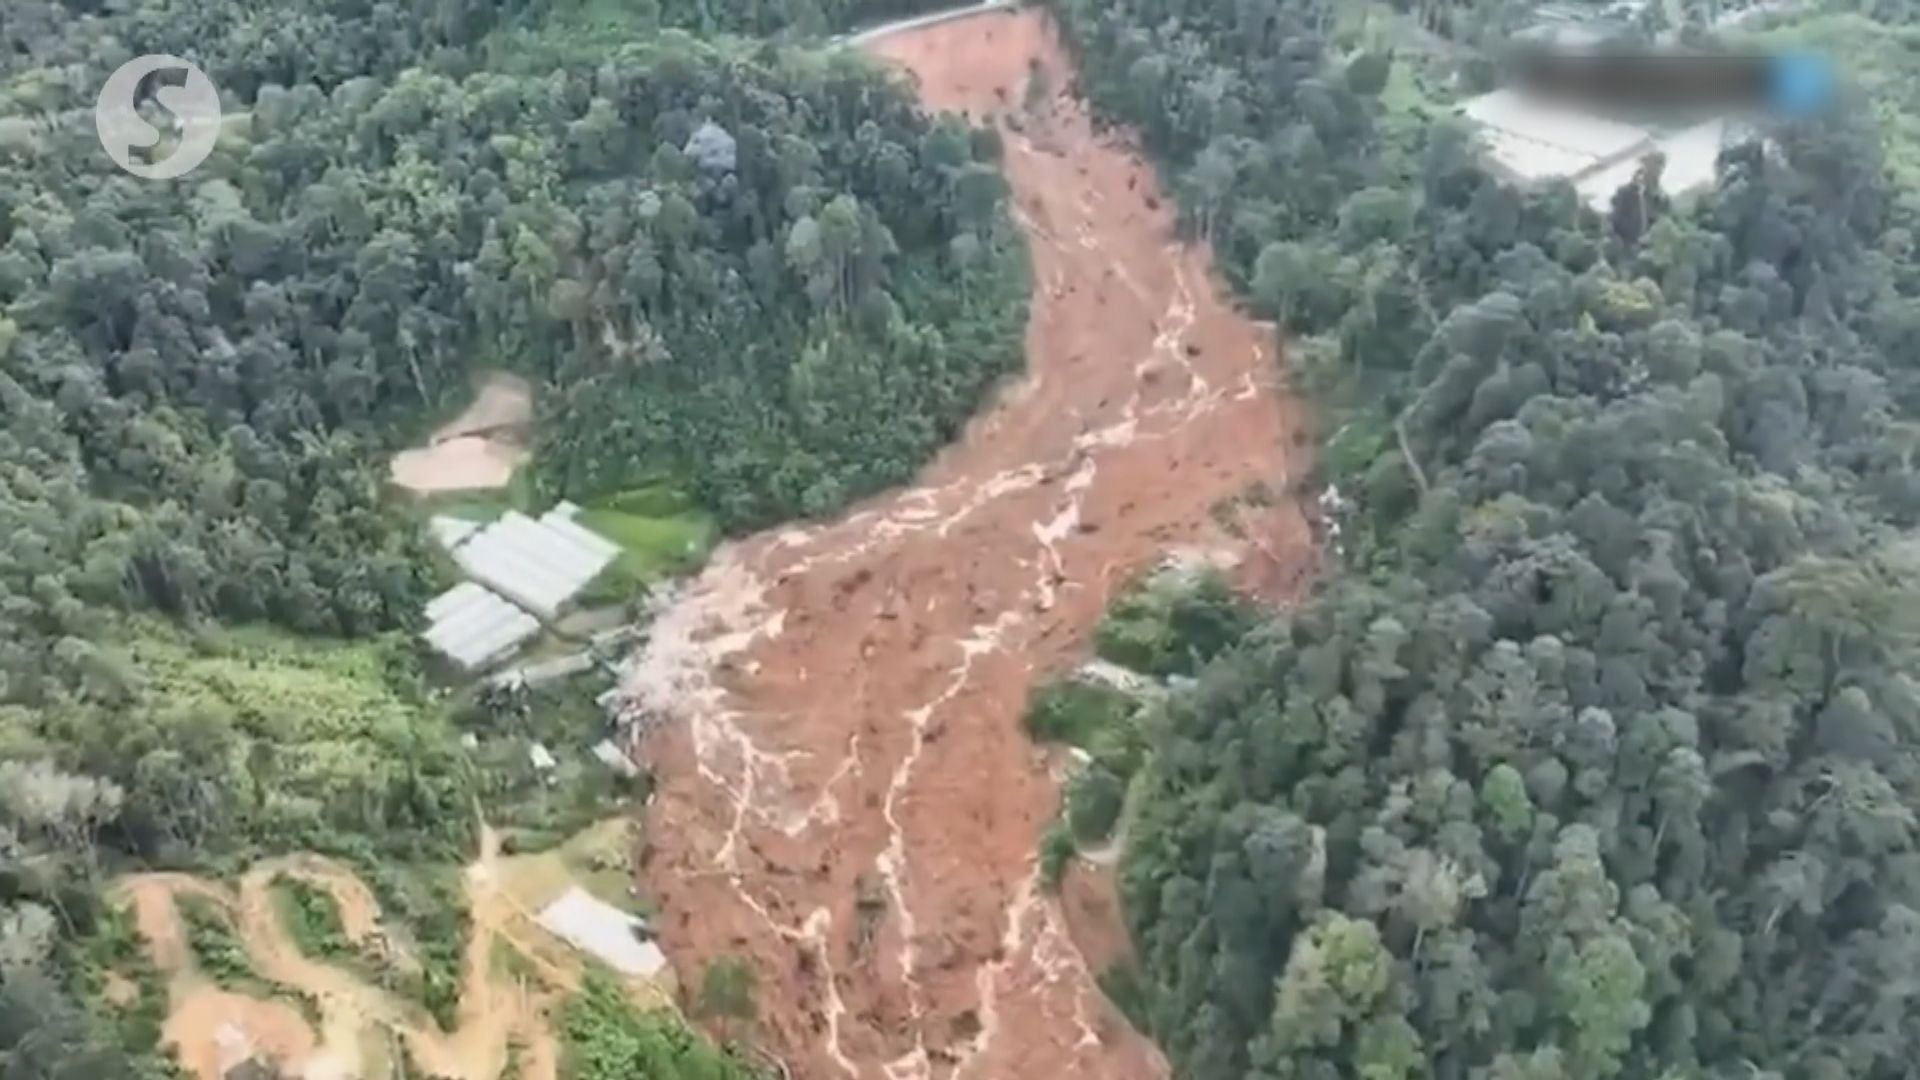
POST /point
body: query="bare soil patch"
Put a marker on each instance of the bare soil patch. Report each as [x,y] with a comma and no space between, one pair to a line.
[847,797]
[1090,900]
[477,450]
[211,1029]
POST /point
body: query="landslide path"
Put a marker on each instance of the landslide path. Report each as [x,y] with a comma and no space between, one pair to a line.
[213,1030]
[847,798]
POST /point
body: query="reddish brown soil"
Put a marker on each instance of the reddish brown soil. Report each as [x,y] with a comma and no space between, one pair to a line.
[211,1030]
[847,797]
[1090,903]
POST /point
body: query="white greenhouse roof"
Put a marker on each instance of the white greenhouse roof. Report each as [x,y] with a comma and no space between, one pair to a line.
[450,531]
[474,627]
[539,565]
[599,928]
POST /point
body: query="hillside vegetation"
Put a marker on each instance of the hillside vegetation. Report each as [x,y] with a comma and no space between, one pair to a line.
[1600,755]
[753,275]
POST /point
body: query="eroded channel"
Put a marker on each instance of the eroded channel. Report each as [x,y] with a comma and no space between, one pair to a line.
[847,797]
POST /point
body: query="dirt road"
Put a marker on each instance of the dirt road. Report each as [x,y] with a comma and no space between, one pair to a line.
[847,797]
[213,1030]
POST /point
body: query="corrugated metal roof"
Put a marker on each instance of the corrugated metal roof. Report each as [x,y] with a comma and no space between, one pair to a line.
[539,565]
[474,627]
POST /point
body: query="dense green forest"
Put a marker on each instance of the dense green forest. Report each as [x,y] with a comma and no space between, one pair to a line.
[753,273]
[1599,753]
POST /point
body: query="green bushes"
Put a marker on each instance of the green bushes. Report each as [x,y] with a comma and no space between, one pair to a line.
[1172,624]
[606,1038]
[1076,712]
[1560,774]
[312,919]
[763,272]
[1106,722]
[1056,853]
[216,948]
[427,905]
[1094,799]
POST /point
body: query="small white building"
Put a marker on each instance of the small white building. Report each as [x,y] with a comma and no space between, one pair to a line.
[593,926]
[608,753]
[542,758]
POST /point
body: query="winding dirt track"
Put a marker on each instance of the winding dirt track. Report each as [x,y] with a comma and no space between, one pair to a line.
[212,1030]
[847,797]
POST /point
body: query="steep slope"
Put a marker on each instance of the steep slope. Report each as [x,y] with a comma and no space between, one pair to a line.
[847,797]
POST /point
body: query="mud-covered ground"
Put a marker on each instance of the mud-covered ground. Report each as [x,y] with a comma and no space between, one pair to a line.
[847,796]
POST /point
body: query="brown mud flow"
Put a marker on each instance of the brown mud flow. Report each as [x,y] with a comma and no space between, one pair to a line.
[848,799]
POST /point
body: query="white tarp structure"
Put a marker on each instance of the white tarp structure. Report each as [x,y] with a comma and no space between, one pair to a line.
[542,758]
[451,531]
[539,565]
[609,754]
[1692,155]
[523,571]
[599,928]
[1532,141]
[474,627]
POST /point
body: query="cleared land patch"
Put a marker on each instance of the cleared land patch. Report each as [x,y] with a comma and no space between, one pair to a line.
[333,1017]
[477,450]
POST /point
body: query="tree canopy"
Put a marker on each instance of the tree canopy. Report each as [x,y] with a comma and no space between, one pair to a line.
[1599,756]
[753,273]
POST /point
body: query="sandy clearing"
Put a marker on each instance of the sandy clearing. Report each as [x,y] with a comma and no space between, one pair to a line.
[501,401]
[846,796]
[477,450]
[211,1029]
